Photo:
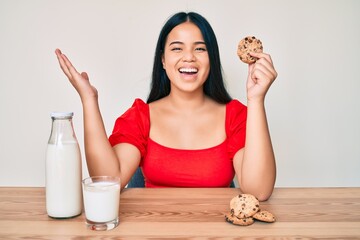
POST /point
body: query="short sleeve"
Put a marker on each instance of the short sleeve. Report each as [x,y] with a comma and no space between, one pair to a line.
[133,127]
[236,115]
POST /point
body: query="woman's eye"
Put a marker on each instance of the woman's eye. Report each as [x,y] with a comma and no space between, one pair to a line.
[176,49]
[200,49]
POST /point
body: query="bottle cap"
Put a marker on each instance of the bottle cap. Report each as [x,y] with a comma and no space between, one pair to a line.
[62,114]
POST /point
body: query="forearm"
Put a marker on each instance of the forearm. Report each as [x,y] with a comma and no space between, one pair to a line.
[258,170]
[100,156]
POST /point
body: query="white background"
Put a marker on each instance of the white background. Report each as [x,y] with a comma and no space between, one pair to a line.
[313,107]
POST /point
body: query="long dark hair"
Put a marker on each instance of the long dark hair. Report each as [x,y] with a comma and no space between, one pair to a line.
[214,85]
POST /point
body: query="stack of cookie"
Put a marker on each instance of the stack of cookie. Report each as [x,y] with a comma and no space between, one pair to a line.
[245,209]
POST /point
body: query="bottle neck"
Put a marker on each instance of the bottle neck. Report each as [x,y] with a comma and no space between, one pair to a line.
[62,131]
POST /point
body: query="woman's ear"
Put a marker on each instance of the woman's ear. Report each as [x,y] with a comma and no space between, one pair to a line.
[163,60]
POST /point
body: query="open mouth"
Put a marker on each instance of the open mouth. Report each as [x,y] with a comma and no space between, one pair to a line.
[188,70]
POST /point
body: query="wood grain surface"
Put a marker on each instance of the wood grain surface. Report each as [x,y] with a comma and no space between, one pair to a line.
[190,213]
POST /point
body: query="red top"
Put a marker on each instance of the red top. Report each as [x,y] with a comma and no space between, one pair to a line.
[168,167]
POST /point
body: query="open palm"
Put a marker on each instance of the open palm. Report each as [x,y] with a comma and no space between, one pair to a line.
[80,81]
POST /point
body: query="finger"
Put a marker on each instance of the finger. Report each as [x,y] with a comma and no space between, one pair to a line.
[265,60]
[251,77]
[258,76]
[69,66]
[263,76]
[57,51]
[62,63]
[250,68]
[261,55]
[85,75]
[265,66]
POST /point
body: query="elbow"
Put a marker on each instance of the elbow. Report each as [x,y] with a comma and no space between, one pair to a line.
[262,197]
[261,194]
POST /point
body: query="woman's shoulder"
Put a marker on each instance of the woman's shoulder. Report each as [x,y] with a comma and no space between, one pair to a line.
[235,110]
[138,112]
[139,106]
[235,104]
[139,103]
[132,126]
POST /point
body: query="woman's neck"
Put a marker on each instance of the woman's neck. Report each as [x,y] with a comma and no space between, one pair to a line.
[187,102]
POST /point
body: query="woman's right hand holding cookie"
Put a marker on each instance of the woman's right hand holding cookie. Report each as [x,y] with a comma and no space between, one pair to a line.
[80,81]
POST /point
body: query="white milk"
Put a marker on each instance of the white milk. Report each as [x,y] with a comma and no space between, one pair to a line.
[101,201]
[63,180]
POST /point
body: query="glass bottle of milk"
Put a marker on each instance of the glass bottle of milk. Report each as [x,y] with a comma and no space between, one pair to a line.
[63,169]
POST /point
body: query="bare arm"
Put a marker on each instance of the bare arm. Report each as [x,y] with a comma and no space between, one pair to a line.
[255,163]
[101,158]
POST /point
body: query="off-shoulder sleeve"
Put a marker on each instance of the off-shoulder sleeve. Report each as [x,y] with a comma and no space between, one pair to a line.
[236,114]
[133,127]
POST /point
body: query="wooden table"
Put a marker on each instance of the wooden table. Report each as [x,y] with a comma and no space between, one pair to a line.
[171,213]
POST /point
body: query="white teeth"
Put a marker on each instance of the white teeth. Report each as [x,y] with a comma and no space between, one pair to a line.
[188,70]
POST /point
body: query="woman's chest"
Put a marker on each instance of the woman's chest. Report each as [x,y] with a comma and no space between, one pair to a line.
[188,131]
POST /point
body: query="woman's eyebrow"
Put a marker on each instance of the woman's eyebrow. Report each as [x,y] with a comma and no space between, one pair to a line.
[175,42]
[179,42]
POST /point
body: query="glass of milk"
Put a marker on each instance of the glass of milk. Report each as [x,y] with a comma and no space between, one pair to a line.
[101,202]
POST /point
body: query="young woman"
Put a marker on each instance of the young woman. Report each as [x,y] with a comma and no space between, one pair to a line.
[190,132]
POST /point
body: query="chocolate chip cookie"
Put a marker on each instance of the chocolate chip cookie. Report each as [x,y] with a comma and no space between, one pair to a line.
[247,45]
[238,221]
[264,216]
[244,205]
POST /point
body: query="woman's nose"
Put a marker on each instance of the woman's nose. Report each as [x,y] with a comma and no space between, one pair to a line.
[188,56]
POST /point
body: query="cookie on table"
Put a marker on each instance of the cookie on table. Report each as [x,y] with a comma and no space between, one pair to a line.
[238,221]
[247,45]
[264,216]
[244,205]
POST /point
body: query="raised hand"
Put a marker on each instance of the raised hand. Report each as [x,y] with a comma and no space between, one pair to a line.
[261,75]
[80,81]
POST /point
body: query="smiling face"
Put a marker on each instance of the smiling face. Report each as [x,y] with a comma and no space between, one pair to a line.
[185,58]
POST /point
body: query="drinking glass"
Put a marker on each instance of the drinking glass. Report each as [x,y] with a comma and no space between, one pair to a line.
[101,202]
